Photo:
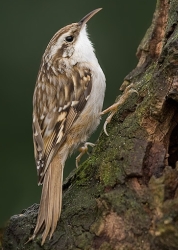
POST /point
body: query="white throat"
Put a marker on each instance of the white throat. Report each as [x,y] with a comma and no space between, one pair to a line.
[83,50]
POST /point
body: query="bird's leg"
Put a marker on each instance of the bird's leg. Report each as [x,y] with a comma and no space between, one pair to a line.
[82,151]
[113,108]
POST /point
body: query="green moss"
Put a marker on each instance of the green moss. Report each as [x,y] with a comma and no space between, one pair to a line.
[83,241]
[106,246]
[110,173]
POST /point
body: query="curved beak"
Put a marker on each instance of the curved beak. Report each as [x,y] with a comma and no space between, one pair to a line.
[86,18]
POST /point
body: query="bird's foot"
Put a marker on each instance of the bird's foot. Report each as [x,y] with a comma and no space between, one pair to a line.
[82,151]
[113,108]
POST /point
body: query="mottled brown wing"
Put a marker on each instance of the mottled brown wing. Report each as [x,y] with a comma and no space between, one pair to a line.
[57,103]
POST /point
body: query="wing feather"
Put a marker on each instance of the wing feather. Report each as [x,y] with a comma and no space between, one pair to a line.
[57,103]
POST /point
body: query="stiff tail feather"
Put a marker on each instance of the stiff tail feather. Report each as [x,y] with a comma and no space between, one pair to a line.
[51,200]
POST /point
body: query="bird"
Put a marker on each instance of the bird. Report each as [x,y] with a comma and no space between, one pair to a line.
[67,105]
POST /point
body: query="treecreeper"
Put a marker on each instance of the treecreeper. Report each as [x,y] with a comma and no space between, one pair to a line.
[67,104]
[67,108]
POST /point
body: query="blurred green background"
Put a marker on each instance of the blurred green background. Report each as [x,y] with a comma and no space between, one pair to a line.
[26,28]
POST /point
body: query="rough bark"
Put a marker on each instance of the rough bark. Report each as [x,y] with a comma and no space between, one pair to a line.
[125,196]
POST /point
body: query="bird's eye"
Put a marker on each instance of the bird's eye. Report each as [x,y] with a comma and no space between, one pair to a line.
[69,39]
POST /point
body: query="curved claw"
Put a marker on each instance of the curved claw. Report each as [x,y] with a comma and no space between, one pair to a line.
[82,151]
[133,91]
[113,108]
[108,120]
[104,128]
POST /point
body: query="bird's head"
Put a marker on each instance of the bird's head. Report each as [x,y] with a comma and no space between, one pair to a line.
[71,40]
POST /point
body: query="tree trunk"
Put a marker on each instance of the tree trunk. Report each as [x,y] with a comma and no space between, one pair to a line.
[125,196]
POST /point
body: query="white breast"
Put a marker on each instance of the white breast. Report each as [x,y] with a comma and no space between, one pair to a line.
[89,119]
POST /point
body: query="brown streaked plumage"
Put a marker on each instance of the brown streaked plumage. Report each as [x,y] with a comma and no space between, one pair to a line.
[67,104]
[55,113]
